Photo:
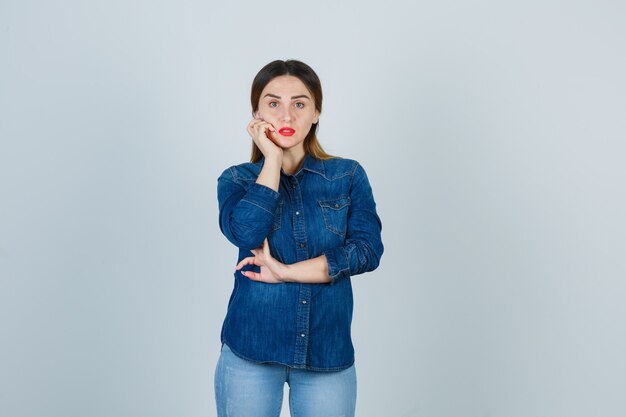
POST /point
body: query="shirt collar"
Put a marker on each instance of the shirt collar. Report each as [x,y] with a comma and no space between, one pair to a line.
[314,165]
[310,164]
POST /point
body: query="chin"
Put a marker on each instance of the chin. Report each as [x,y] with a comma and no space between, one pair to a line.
[286,141]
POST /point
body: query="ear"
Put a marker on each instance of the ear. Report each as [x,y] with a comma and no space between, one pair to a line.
[316,117]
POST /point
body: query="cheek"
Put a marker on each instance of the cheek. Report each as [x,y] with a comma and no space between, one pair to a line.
[270,113]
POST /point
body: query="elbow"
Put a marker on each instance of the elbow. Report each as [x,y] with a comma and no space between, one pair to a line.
[369,255]
[374,256]
[245,237]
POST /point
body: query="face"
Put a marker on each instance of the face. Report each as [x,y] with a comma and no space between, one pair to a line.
[287,104]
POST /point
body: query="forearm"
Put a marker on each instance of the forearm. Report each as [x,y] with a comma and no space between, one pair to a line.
[245,213]
[356,257]
[311,271]
[270,173]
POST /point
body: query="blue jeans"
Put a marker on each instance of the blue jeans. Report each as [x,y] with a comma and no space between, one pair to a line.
[248,389]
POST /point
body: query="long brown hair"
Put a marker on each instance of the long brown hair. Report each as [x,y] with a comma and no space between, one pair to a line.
[312,82]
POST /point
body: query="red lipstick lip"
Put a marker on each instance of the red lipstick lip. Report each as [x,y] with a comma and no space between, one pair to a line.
[286,131]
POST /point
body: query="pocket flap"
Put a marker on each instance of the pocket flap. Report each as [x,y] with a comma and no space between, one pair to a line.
[335,204]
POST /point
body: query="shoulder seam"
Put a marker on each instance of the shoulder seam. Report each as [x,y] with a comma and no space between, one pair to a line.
[356,165]
[233,172]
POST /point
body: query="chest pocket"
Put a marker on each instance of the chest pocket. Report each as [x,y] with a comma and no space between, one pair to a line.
[335,214]
[278,217]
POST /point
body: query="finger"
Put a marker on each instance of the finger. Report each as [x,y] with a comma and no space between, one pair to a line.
[252,127]
[264,125]
[245,261]
[266,246]
[256,122]
[269,126]
[255,276]
[256,132]
[258,257]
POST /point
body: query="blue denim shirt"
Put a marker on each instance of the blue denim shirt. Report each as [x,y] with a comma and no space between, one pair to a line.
[328,208]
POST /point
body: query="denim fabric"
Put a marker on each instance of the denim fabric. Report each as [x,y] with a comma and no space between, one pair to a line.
[244,388]
[328,208]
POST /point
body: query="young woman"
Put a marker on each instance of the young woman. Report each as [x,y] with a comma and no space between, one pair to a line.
[305,222]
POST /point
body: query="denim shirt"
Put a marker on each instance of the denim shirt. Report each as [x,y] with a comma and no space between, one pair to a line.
[327,208]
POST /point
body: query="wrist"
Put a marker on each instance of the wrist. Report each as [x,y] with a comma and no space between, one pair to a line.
[274,160]
[284,273]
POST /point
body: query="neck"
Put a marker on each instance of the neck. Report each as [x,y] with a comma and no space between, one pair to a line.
[292,159]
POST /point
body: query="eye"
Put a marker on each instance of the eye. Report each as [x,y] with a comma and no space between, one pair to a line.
[300,105]
[271,104]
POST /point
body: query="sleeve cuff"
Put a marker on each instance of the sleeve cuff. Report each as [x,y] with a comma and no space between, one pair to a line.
[337,261]
[262,196]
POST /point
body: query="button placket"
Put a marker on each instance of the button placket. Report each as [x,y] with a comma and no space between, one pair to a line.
[303,312]
[299,229]
[303,308]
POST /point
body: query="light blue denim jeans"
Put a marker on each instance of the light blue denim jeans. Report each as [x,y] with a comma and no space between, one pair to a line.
[248,389]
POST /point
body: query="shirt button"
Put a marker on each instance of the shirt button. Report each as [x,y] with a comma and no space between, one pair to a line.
[302,245]
[303,301]
[297,213]
[302,335]
[336,205]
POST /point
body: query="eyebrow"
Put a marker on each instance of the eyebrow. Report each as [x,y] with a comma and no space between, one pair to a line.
[293,98]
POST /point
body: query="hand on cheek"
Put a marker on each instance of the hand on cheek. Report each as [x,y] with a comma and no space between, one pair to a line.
[270,134]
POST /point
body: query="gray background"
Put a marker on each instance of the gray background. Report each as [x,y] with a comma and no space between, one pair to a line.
[493,136]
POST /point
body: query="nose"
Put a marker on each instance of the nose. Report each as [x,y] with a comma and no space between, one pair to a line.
[286,114]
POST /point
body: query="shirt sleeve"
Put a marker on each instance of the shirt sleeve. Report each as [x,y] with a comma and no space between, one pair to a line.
[363,245]
[245,215]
